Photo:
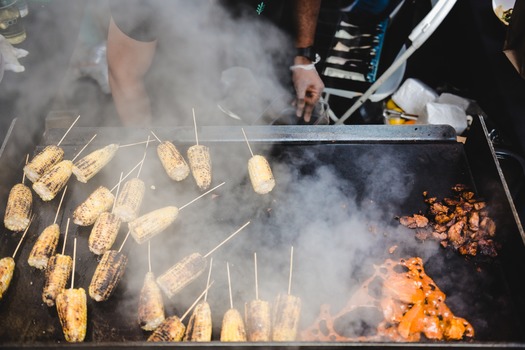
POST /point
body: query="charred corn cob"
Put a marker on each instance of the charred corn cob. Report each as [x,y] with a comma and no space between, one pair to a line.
[18,210]
[72,312]
[107,275]
[104,233]
[90,165]
[200,324]
[285,318]
[57,273]
[171,329]
[43,161]
[258,320]
[54,180]
[172,161]
[232,327]
[7,268]
[151,305]
[152,223]
[45,247]
[261,174]
[181,274]
[97,202]
[200,164]
[127,204]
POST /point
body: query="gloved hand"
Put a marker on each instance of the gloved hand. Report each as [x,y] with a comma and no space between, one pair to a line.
[308,88]
[11,55]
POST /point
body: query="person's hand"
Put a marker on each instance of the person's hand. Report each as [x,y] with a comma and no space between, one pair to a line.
[308,88]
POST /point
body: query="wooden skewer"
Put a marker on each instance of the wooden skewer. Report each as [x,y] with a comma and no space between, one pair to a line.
[195,126]
[83,148]
[143,157]
[74,263]
[68,130]
[247,141]
[227,239]
[22,238]
[134,144]
[154,135]
[256,282]
[196,301]
[125,239]
[65,237]
[208,280]
[229,285]
[125,176]
[149,255]
[24,173]
[60,204]
[202,195]
[291,268]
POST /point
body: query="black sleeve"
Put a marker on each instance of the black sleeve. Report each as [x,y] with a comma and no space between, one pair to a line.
[138,19]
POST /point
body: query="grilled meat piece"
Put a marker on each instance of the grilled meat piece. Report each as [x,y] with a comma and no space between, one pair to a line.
[414,221]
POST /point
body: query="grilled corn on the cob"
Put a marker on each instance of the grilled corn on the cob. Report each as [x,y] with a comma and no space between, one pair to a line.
[97,202]
[43,161]
[200,324]
[7,268]
[261,175]
[54,180]
[232,327]
[104,233]
[45,247]
[258,320]
[151,305]
[18,209]
[72,312]
[57,274]
[127,204]
[107,275]
[87,167]
[152,223]
[285,318]
[170,330]
[181,274]
[172,161]
[200,164]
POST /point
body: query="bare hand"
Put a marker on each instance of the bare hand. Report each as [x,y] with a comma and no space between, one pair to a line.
[308,88]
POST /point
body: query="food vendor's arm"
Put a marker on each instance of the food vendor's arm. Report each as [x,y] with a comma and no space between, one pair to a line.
[308,85]
[128,62]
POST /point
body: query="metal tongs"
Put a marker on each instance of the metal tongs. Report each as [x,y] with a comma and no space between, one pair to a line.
[390,113]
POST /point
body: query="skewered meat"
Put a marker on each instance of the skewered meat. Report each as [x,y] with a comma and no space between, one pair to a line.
[170,330]
[285,318]
[43,161]
[72,312]
[57,273]
[258,320]
[182,273]
[200,324]
[7,268]
[54,180]
[232,327]
[18,209]
[200,164]
[129,200]
[45,247]
[107,275]
[104,233]
[172,161]
[151,305]
[261,175]
[87,167]
[152,223]
[99,201]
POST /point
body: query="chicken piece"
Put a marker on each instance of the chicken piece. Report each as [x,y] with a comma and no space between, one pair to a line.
[414,221]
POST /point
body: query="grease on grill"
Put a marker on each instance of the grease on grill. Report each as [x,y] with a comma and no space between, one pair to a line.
[399,302]
[460,222]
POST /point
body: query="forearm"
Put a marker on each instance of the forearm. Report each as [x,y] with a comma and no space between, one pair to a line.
[131,102]
[307,12]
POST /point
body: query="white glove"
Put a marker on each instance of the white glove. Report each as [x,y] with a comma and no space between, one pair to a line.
[11,55]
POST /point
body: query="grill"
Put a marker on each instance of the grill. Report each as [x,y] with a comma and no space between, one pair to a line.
[339,191]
